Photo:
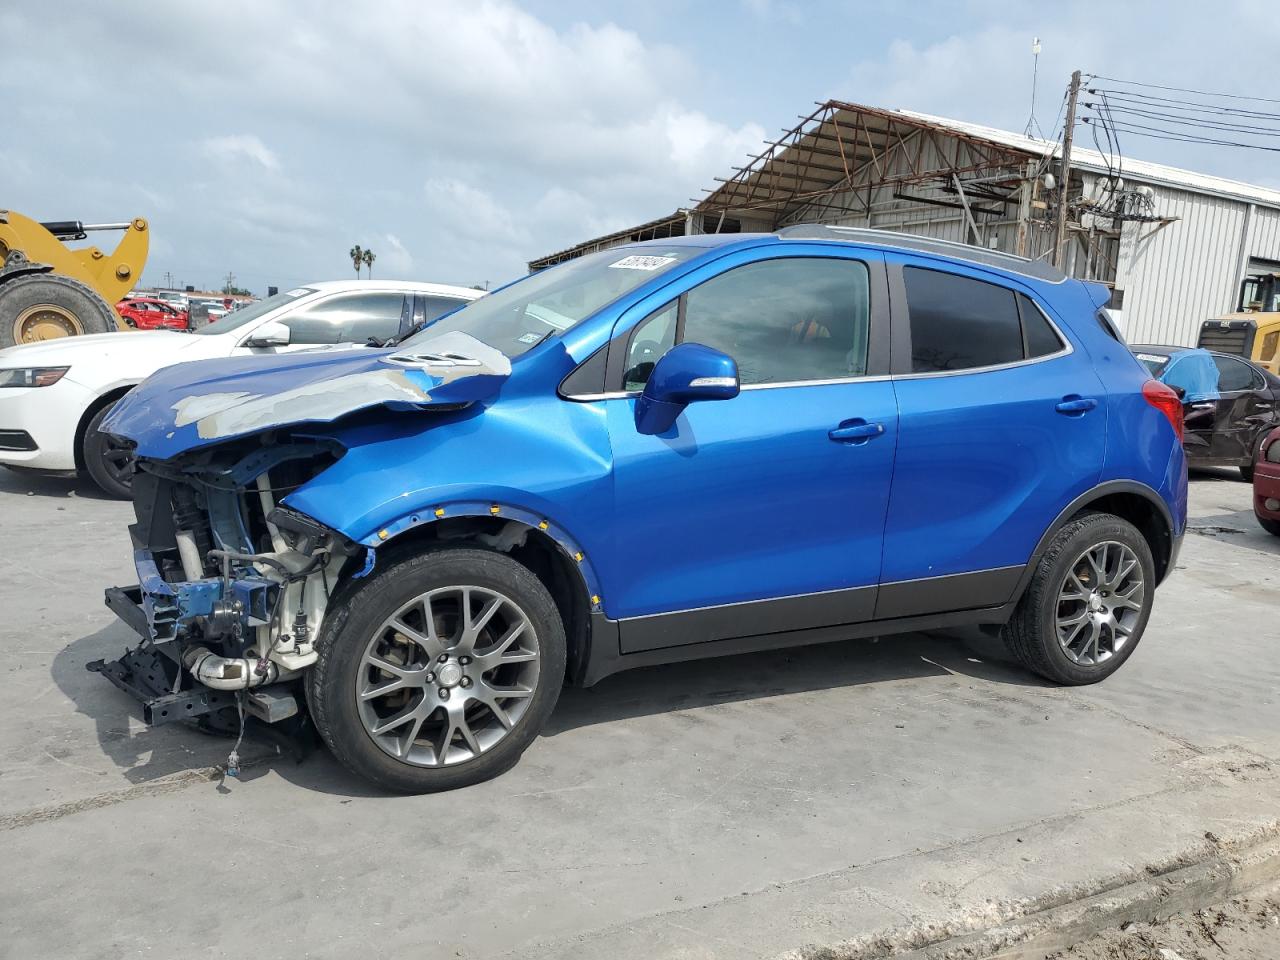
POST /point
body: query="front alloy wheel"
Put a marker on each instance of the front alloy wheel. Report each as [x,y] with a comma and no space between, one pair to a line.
[438,670]
[448,676]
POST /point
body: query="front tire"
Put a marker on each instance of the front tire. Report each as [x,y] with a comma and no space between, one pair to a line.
[439,671]
[108,464]
[1271,526]
[1088,602]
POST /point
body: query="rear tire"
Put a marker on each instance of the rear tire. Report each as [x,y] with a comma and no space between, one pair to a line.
[1079,619]
[402,631]
[108,464]
[1246,473]
[45,306]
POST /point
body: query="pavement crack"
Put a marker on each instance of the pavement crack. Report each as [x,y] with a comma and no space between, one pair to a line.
[56,811]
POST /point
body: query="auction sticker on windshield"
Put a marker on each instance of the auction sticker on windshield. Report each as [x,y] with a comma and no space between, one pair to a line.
[642,263]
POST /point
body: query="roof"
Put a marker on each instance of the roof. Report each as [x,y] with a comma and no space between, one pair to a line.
[910,241]
[921,157]
[416,286]
[1092,160]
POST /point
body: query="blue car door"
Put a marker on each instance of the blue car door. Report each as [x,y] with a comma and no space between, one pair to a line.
[1002,423]
[764,513]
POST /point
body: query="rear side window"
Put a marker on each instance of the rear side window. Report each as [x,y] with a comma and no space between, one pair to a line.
[1235,375]
[958,323]
[1041,339]
[433,307]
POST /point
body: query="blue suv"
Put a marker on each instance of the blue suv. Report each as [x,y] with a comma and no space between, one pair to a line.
[676,449]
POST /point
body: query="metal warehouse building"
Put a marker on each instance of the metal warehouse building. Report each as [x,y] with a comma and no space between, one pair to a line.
[1173,245]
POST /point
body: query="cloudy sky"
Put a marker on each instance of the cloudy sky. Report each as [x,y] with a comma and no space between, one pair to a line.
[460,139]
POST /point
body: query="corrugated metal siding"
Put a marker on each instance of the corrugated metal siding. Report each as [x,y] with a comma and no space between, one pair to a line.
[1176,277]
[1264,234]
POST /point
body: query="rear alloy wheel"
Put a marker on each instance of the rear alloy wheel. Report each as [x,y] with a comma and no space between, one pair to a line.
[106,460]
[1088,601]
[440,671]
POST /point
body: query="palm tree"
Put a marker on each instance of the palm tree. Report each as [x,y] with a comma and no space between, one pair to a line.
[357,258]
[369,256]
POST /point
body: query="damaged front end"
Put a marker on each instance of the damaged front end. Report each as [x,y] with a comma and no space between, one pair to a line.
[232,589]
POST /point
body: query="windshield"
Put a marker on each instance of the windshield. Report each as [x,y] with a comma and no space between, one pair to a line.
[238,318]
[517,317]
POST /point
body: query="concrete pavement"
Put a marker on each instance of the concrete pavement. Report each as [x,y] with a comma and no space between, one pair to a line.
[844,798]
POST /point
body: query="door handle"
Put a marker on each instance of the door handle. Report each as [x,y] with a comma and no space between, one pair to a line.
[856,431]
[1073,404]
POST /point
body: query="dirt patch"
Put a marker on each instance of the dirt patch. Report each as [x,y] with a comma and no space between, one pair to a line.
[1246,928]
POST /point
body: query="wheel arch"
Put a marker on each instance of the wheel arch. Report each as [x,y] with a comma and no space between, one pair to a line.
[1135,502]
[545,548]
[82,427]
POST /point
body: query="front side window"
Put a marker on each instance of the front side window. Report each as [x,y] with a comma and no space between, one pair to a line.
[347,318]
[958,323]
[789,320]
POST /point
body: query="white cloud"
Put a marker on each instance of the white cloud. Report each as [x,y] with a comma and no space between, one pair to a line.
[528,137]
[240,146]
[395,261]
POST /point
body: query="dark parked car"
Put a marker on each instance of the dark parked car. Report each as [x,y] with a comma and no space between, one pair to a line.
[1229,404]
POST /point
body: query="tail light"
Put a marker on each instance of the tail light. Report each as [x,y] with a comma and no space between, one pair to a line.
[1166,401]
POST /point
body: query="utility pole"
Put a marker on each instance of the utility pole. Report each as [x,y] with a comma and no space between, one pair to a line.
[231,277]
[168,280]
[1060,239]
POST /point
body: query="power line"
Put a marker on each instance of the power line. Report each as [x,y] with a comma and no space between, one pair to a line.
[1159,133]
[1195,122]
[1185,106]
[1201,93]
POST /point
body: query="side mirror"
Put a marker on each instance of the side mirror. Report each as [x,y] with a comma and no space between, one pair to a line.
[271,334]
[1180,391]
[685,374]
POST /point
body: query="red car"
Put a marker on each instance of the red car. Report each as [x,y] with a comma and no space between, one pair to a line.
[1266,483]
[148,313]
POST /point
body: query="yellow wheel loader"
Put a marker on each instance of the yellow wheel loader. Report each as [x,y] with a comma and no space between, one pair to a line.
[48,290]
[1253,331]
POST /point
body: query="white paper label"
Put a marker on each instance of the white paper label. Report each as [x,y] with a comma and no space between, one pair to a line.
[642,263]
[297,292]
[1152,357]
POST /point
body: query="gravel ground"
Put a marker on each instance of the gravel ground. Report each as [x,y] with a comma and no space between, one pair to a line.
[1246,928]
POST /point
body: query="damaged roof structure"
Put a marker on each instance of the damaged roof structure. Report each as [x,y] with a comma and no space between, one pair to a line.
[1173,245]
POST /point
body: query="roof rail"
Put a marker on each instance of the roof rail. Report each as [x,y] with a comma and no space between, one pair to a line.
[1037,269]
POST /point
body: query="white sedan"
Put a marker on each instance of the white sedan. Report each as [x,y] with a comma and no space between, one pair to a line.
[53,395]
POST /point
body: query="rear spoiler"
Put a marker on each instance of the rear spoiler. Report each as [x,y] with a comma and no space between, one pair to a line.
[1099,293]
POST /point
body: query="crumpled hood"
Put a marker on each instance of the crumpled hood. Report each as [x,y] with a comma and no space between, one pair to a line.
[193,405]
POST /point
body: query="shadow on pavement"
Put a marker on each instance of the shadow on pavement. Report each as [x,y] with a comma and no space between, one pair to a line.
[33,483]
[153,753]
[823,666]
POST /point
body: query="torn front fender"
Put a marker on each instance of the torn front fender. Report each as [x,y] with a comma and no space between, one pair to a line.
[193,405]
